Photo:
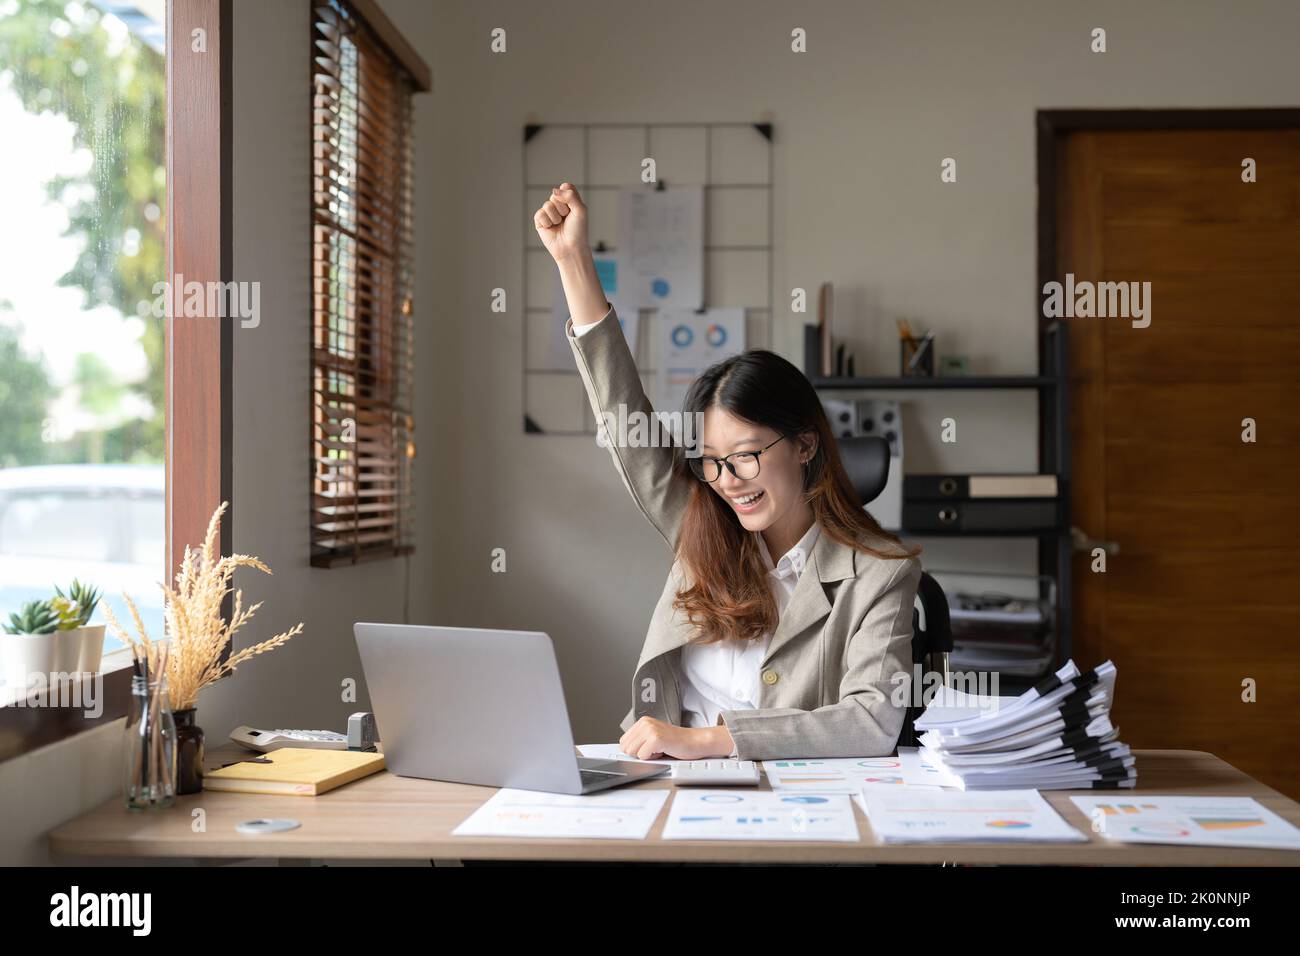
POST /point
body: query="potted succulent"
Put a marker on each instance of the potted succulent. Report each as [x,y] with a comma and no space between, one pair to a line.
[83,646]
[28,646]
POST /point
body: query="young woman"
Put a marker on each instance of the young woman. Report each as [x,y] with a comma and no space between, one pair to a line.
[786,622]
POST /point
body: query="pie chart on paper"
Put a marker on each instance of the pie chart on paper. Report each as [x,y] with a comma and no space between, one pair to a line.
[1159,830]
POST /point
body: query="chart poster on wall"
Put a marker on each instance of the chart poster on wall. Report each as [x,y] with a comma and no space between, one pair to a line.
[688,343]
[661,247]
[559,355]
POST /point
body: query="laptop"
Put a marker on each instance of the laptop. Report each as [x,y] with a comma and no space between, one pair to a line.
[479,706]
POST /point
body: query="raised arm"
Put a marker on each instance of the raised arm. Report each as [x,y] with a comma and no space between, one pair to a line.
[609,373]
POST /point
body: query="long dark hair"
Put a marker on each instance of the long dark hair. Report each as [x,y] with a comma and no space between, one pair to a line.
[729,597]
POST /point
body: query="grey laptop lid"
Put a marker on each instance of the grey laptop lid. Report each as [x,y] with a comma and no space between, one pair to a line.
[469,705]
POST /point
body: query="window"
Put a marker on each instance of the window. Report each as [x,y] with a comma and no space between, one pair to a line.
[90,355]
[83,188]
[67,525]
[362,334]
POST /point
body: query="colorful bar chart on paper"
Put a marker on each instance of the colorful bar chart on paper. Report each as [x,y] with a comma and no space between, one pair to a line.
[1195,821]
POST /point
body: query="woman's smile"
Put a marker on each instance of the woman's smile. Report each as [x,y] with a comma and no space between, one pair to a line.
[749,502]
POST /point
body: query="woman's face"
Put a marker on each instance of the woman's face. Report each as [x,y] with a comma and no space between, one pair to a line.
[777,490]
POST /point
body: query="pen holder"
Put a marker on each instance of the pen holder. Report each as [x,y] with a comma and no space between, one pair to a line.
[916,357]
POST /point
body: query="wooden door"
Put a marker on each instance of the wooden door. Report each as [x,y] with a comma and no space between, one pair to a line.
[1203,594]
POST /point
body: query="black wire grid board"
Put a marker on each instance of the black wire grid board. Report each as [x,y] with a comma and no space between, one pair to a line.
[731,161]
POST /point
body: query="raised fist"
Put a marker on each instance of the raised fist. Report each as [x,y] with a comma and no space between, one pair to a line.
[562,223]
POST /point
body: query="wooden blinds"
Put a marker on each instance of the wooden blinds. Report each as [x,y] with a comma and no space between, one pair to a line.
[362,441]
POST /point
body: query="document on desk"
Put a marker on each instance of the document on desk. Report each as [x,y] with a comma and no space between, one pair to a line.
[622,814]
[760,815]
[953,816]
[853,774]
[611,752]
[1195,821]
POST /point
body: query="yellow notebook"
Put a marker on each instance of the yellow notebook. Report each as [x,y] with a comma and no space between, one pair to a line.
[295,771]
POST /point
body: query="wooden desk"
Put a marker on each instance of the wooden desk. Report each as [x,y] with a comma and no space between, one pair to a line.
[390,817]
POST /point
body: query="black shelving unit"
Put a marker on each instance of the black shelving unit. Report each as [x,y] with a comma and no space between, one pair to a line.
[1052,387]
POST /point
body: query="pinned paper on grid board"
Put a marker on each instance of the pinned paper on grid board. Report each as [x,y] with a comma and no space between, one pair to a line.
[661,247]
[688,343]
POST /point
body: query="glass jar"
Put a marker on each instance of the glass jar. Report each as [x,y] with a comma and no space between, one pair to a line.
[150,750]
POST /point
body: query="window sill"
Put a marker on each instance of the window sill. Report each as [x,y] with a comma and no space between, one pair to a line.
[30,723]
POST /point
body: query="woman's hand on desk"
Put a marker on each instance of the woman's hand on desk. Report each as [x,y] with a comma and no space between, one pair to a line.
[649,739]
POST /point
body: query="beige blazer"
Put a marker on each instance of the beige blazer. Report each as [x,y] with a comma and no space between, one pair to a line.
[837,672]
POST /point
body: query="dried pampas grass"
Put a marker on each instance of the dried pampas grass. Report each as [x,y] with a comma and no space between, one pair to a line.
[192,617]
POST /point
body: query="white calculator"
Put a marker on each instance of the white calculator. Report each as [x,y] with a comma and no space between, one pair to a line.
[718,772]
[268,740]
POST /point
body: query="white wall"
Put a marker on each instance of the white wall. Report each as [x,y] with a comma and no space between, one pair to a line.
[44,788]
[862,121]
[299,684]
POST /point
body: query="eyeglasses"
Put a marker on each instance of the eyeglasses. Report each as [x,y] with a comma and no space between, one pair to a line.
[742,464]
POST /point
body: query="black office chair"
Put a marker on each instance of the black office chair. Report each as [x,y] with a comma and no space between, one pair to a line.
[866,459]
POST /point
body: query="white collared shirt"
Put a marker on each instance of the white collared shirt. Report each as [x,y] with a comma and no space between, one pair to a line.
[725,675]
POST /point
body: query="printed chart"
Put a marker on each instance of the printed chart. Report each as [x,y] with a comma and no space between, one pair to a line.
[1196,821]
[760,815]
[949,816]
[613,815]
[853,774]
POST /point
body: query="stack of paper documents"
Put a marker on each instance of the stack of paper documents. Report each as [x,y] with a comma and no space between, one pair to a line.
[1056,736]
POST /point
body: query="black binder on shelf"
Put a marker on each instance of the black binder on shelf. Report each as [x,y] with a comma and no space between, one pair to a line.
[962,487]
[987,516]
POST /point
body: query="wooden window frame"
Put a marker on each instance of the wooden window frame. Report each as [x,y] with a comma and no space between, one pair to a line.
[197,393]
[364,77]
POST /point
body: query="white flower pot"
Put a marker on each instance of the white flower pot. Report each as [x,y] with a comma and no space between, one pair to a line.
[25,654]
[67,650]
[92,648]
